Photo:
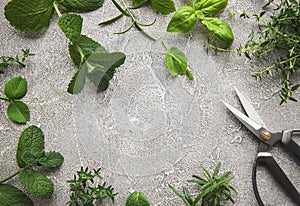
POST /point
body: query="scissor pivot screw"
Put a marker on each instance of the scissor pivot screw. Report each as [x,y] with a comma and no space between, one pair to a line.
[265,135]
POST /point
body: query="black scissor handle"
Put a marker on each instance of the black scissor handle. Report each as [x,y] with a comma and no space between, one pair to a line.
[290,144]
[268,161]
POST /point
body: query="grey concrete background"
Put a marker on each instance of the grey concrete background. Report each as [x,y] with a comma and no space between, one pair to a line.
[148,129]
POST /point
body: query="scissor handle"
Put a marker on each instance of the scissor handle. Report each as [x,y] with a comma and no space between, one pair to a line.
[290,144]
[268,161]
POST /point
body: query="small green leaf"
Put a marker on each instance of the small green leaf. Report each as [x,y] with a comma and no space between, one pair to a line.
[31,139]
[12,196]
[51,159]
[210,6]
[137,199]
[70,24]
[18,112]
[16,88]
[139,3]
[29,15]
[77,82]
[81,5]
[163,6]
[36,183]
[183,20]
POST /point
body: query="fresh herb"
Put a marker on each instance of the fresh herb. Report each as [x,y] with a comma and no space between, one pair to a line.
[10,60]
[160,6]
[14,90]
[34,16]
[213,188]
[185,18]
[84,190]
[127,11]
[176,62]
[30,153]
[137,199]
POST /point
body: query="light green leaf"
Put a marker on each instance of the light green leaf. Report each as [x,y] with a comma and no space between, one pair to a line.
[70,24]
[12,196]
[18,112]
[137,199]
[139,3]
[77,82]
[36,183]
[16,88]
[220,28]
[29,15]
[183,20]
[51,159]
[81,5]
[31,139]
[163,6]
[210,6]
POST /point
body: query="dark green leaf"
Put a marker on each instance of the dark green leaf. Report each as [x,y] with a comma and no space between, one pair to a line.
[77,82]
[139,3]
[81,5]
[29,15]
[36,183]
[16,88]
[51,159]
[137,199]
[18,112]
[70,24]
[182,197]
[183,20]
[31,139]
[295,87]
[210,6]
[163,6]
[30,158]
[12,196]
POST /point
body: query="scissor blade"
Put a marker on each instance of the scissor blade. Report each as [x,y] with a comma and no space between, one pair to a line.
[249,109]
[246,121]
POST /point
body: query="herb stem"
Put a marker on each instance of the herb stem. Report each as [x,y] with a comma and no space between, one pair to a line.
[4,98]
[165,45]
[56,9]
[11,176]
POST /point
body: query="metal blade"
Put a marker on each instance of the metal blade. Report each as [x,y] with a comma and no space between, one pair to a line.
[249,109]
[247,122]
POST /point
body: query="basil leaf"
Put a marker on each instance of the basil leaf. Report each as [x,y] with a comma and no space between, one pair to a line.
[29,15]
[220,28]
[12,196]
[18,112]
[163,6]
[183,20]
[81,5]
[137,199]
[36,183]
[70,24]
[31,139]
[139,3]
[51,159]
[210,6]
[16,88]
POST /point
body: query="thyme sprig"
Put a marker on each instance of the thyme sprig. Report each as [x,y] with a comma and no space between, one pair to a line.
[10,60]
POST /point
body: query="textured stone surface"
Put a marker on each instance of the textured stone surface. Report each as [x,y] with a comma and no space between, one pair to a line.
[148,129]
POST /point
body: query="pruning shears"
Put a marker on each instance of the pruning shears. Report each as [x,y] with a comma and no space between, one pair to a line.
[267,140]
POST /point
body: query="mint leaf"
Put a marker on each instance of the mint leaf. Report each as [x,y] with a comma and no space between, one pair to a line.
[70,24]
[16,88]
[29,15]
[77,82]
[137,199]
[51,159]
[183,20]
[163,6]
[36,183]
[81,5]
[31,139]
[30,158]
[12,196]
[18,112]
[210,6]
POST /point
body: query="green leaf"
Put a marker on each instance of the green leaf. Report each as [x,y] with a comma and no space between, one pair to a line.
[51,159]
[81,5]
[18,112]
[210,6]
[183,20]
[31,139]
[36,183]
[29,15]
[16,88]
[30,158]
[220,28]
[163,6]
[70,24]
[12,196]
[77,82]
[137,199]
[139,3]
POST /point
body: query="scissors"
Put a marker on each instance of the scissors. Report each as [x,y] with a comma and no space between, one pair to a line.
[267,140]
